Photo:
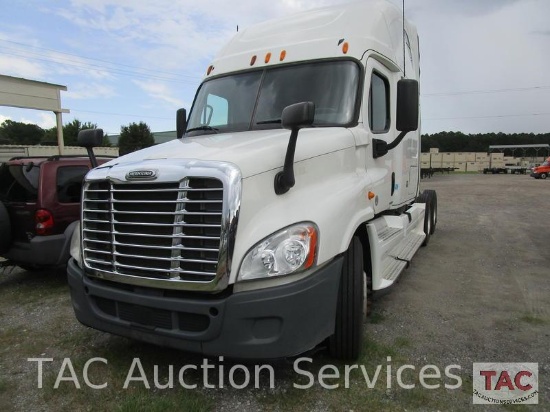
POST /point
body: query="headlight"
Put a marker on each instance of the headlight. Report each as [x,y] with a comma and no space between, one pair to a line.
[287,251]
[74,249]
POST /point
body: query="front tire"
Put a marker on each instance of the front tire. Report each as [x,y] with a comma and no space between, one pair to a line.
[543,175]
[426,197]
[350,311]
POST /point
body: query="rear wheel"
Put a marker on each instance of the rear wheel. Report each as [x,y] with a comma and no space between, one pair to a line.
[543,175]
[351,305]
[5,229]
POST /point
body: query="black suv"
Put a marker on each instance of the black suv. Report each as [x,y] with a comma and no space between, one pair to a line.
[39,208]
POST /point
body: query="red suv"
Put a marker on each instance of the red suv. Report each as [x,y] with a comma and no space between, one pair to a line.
[39,208]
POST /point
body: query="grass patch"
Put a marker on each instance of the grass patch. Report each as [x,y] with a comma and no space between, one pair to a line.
[533,320]
[375,318]
[403,342]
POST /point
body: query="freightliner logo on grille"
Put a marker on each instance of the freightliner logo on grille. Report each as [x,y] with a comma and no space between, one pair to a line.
[141,175]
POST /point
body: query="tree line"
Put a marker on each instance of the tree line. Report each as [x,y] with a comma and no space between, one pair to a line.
[460,142]
[133,136]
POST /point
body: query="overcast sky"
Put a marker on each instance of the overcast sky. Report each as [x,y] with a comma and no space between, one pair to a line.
[485,63]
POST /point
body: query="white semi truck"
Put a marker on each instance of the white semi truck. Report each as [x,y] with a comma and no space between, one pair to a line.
[291,193]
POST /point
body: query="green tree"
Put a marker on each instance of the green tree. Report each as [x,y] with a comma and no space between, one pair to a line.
[134,137]
[70,133]
[20,133]
[106,142]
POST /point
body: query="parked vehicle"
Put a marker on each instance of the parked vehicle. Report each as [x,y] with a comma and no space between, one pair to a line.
[542,171]
[39,209]
[243,239]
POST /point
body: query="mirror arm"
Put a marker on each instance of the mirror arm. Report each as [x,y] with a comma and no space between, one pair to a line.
[91,155]
[284,180]
[397,140]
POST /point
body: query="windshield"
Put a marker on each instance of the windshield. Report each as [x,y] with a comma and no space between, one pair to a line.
[255,100]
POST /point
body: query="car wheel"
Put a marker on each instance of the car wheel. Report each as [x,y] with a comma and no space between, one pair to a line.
[351,305]
[543,175]
[5,229]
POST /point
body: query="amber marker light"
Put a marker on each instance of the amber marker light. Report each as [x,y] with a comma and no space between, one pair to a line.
[371,195]
[310,260]
[210,68]
[282,55]
[253,60]
[345,47]
[267,57]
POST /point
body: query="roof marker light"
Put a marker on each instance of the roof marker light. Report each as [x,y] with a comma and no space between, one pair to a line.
[210,69]
[267,57]
[345,47]
[253,60]
[283,55]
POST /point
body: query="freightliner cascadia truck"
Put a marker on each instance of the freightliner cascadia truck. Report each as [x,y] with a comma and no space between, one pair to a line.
[290,194]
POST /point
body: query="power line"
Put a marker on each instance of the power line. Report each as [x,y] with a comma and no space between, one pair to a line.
[101,60]
[517,89]
[122,114]
[487,117]
[84,65]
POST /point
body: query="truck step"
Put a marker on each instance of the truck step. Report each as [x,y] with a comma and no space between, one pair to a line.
[408,248]
[393,241]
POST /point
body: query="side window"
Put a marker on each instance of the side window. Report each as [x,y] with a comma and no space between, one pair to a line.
[69,183]
[379,104]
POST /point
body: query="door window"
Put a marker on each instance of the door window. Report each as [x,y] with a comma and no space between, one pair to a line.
[379,104]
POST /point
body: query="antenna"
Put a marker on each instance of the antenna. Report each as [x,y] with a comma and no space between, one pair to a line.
[404,35]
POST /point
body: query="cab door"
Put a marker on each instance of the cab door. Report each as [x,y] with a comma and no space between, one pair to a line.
[378,116]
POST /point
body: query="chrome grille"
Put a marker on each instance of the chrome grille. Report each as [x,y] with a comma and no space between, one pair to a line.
[169,231]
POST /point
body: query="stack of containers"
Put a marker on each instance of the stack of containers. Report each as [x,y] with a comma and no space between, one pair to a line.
[497,160]
[482,160]
[448,160]
[460,162]
[424,160]
[436,160]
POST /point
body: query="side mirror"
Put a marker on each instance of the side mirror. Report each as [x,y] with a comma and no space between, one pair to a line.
[407,105]
[90,138]
[181,122]
[294,117]
[298,115]
[408,101]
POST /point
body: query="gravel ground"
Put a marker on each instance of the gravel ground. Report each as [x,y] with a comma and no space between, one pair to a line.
[479,292]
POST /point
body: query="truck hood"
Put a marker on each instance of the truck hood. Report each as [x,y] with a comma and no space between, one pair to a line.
[253,152]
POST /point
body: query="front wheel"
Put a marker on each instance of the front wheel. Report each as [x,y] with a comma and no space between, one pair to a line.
[426,197]
[543,175]
[351,305]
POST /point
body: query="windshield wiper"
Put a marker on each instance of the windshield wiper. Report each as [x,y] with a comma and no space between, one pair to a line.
[270,121]
[207,128]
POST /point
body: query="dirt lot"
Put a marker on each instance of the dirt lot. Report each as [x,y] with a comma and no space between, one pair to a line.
[480,292]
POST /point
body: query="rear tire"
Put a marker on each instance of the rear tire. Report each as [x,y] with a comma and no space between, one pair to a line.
[5,229]
[543,175]
[350,310]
